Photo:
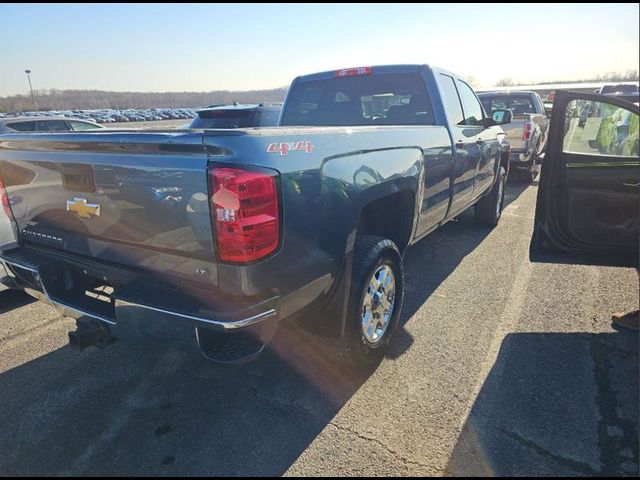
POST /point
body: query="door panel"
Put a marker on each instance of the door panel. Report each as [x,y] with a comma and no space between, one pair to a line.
[468,151]
[489,158]
[588,200]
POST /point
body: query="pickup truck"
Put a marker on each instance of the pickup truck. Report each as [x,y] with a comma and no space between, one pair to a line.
[527,132]
[223,233]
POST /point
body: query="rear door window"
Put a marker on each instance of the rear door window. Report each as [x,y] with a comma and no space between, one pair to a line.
[385,99]
[79,126]
[22,126]
[51,126]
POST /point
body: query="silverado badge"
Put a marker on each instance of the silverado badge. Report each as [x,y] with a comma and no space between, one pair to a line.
[82,208]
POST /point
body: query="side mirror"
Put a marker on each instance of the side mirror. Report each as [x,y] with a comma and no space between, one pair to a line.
[501,117]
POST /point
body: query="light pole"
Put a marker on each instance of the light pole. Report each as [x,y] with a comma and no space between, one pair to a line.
[35,104]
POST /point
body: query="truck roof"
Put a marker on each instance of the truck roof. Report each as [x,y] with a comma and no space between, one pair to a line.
[504,92]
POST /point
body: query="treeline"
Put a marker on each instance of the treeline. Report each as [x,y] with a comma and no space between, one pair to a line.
[628,76]
[93,99]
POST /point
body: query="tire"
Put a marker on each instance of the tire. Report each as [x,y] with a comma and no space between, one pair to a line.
[488,210]
[372,254]
[526,176]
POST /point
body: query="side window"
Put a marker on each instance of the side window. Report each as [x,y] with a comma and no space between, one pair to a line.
[599,128]
[22,126]
[450,99]
[79,126]
[51,126]
[473,113]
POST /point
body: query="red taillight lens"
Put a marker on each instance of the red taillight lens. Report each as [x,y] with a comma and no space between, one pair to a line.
[4,200]
[526,132]
[244,206]
[354,72]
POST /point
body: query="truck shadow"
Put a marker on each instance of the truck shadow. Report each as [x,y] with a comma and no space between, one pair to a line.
[555,404]
[141,409]
[12,299]
[430,261]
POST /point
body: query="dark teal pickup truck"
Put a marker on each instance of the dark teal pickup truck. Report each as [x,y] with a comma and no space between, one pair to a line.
[225,232]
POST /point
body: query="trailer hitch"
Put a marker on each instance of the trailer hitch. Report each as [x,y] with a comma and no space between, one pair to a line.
[90,332]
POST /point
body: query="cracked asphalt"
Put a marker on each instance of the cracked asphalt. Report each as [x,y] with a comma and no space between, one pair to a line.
[502,367]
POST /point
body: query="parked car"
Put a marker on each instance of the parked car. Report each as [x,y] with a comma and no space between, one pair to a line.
[617,88]
[527,131]
[629,97]
[44,124]
[238,116]
[585,112]
[587,209]
[311,216]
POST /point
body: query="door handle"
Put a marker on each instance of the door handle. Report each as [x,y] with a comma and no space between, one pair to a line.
[479,141]
[460,144]
[632,185]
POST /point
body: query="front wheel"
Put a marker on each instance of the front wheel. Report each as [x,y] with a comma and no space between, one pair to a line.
[377,291]
[488,210]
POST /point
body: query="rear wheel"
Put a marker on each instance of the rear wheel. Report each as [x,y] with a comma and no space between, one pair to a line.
[488,210]
[377,291]
[526,176]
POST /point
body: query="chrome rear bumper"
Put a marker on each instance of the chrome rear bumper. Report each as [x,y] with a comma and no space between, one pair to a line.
[129,317]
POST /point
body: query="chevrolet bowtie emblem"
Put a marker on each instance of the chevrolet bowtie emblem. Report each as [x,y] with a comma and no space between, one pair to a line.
[82,208]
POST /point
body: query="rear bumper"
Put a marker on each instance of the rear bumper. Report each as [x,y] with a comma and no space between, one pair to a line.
[166,314]
[520,157]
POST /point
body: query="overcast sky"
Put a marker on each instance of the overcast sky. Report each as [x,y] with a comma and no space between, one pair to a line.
[243,47]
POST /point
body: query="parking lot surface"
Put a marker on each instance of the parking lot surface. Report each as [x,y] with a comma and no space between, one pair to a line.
[501,367]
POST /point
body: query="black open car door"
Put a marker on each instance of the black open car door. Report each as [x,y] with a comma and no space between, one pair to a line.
[589,190]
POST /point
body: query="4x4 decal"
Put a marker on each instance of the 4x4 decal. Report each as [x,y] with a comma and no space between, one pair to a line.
[284,148]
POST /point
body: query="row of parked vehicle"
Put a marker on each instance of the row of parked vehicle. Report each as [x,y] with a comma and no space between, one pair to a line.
[109,115]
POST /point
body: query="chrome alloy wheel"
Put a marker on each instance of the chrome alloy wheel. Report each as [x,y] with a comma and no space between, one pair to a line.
[377,305]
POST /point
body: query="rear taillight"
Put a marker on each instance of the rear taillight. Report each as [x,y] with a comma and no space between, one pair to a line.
[4,200]
[244,206]
[526,132]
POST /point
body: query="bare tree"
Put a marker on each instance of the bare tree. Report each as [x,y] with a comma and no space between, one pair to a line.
[505,82]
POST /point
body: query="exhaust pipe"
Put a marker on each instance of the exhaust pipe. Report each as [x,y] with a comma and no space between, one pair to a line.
[89,333]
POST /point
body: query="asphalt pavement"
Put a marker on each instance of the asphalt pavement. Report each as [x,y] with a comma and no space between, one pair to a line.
[501,367]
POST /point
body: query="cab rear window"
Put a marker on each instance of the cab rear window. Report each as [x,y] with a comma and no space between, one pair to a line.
[387,99]
[518,104]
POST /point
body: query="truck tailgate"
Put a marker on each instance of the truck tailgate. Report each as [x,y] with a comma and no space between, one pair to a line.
[514,131]
[131,198]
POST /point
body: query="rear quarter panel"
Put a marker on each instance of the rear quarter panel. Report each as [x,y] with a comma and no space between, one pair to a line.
[323,194]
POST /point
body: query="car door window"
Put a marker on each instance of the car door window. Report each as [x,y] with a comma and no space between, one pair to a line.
[473,113]
[51,126]
[598,128]
[22,126]
[450,99]
[79,126]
